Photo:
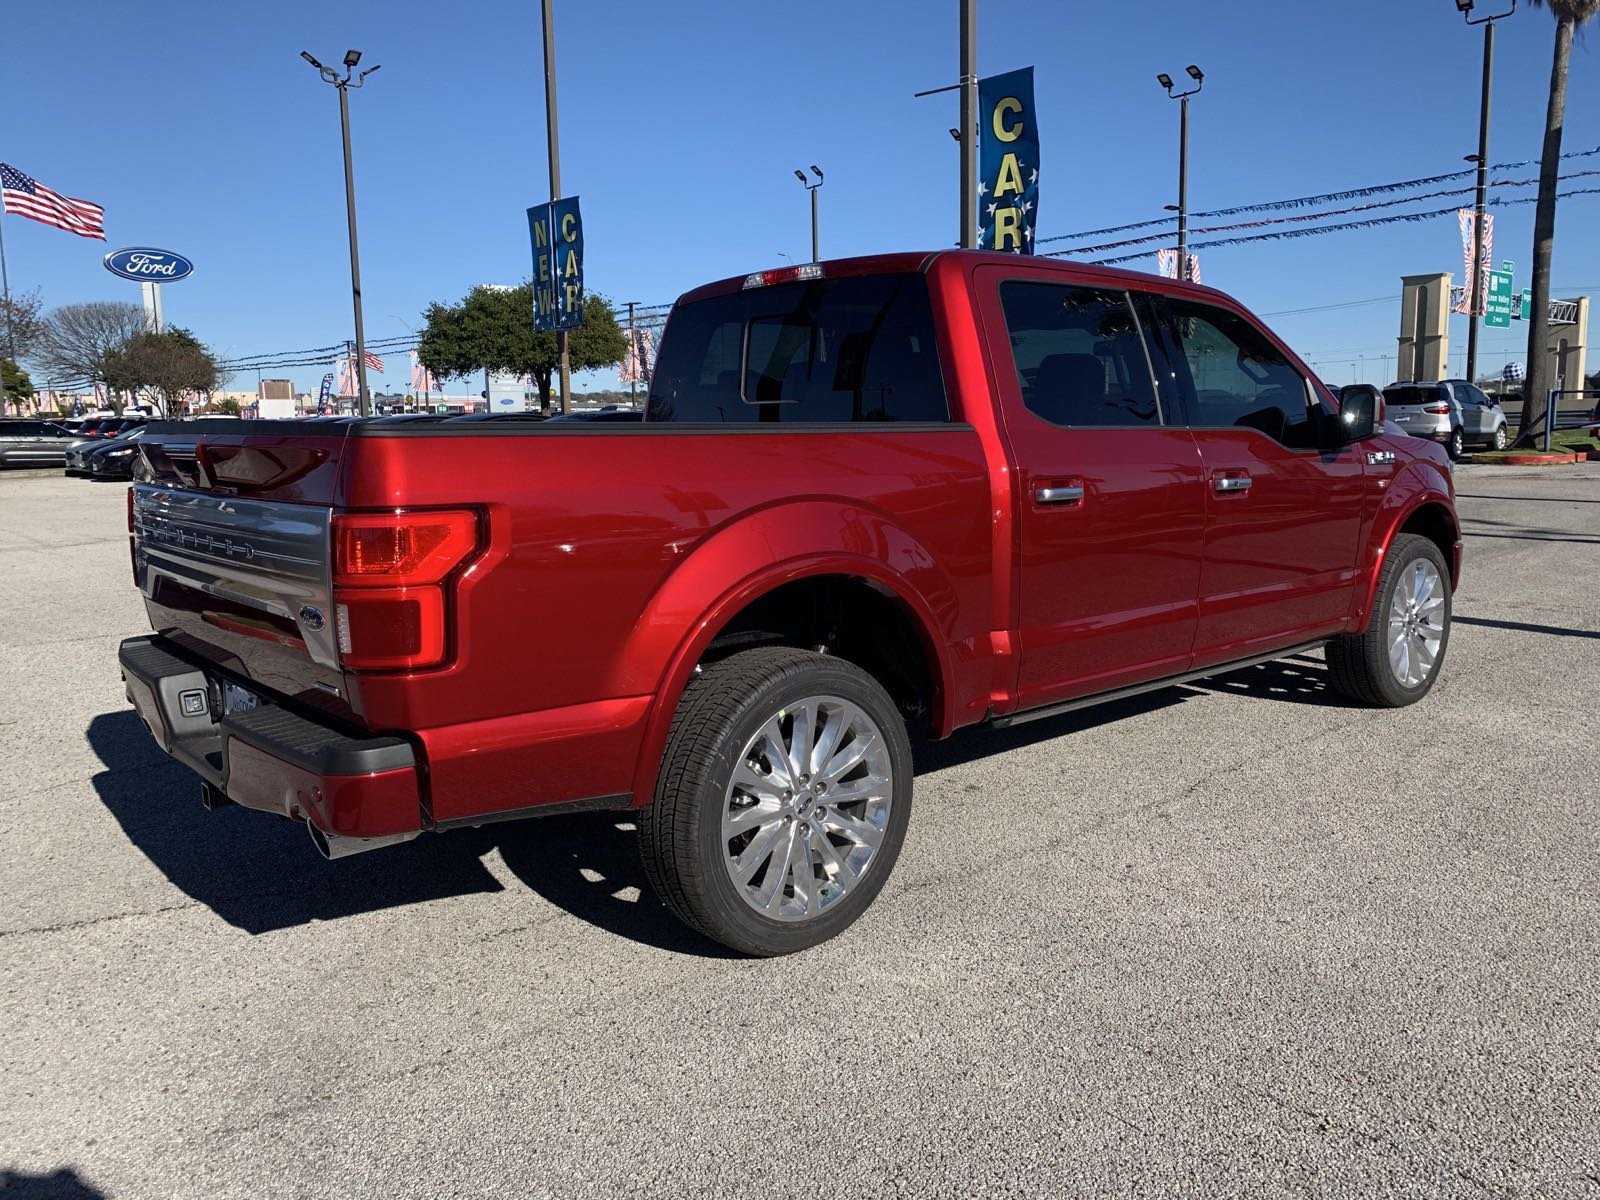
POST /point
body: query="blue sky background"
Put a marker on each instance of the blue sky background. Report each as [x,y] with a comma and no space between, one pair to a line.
[200,129]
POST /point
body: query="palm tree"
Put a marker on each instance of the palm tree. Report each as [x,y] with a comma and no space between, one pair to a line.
[1569,15]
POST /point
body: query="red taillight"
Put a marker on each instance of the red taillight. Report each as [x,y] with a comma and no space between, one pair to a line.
[1437,410]
[130,510]
[400,549]
[390,572]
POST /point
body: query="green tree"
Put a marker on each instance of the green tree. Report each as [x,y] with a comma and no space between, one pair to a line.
[1570,15]
[491,329]
[228,405]
[15,386]
[162,367]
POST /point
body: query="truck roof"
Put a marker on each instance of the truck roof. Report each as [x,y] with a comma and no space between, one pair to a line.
[921,260]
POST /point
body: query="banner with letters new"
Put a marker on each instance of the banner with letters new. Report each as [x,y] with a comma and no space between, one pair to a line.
[557,232]
[1008,162]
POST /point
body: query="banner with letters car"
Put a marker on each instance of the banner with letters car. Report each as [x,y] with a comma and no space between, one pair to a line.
[1008,162]
[557,232]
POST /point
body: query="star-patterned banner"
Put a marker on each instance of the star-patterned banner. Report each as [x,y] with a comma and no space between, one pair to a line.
[1008,162]
[557,231]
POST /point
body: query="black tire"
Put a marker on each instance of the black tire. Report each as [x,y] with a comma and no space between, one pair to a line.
[680,842]
[1457,444]
[1501,441]
[1358,664]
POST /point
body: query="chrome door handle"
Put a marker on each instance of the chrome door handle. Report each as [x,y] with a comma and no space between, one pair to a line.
[1233,483]
[1059,495]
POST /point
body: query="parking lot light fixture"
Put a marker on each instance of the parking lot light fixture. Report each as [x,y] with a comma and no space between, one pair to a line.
[1165,80]
[344,83]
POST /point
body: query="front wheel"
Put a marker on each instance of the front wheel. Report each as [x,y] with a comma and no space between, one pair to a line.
[783,800]
[1456,445]
[1396,659]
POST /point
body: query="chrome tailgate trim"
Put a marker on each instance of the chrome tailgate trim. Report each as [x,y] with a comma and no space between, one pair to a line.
[266,555]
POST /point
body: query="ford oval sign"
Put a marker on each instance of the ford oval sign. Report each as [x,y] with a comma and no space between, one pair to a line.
[145,264]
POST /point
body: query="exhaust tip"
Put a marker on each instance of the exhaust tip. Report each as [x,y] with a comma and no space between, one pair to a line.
[333,845]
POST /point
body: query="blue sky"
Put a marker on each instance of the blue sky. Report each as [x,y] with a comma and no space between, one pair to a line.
[200,129]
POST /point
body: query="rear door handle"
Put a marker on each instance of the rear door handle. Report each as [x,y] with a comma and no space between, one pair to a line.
[1234,481]
[1067,493]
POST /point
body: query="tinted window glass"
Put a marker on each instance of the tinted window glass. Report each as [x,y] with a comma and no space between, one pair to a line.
[1080,357]
[828,350]
[1411,395]
[1238,377]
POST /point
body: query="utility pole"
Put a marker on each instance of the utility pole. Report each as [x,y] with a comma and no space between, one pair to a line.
[329,75]
[969,124]
[1475,275]
[554,147]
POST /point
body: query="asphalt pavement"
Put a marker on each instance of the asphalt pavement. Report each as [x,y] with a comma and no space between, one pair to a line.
[1230,939]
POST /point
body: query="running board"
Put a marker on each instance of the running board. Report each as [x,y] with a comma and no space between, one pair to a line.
[1139,689]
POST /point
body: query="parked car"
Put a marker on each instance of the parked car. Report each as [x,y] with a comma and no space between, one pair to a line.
[29,443]
[111,459]
[1451,412]
[912,492]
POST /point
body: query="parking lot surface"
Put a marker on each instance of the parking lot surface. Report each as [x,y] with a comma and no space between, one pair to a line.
[1233,938]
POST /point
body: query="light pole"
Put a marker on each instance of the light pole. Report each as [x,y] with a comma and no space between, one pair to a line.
[1182,98]
[812,189]
[344,83]
[1474,279]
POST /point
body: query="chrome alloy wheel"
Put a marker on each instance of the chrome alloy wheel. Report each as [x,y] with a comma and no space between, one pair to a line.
[1416,623]
[806,810]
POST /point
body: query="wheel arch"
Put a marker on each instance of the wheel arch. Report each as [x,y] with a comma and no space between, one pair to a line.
[829,550]
[1418,506]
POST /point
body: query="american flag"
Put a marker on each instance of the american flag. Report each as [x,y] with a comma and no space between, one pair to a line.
[374,363]
[27,197]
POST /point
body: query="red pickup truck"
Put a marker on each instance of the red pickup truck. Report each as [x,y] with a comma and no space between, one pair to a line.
[870,499]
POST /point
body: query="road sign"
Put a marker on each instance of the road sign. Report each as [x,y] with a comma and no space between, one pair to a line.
[1497,307]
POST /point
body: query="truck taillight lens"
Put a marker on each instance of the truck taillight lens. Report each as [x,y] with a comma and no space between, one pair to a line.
[400,549]
[391,572]
[130,510]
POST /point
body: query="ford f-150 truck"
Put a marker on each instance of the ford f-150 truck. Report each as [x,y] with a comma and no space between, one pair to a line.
[870,499]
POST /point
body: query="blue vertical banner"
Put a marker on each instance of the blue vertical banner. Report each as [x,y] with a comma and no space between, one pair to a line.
[557,232]
[544,269]
[1008,163]
[566,235]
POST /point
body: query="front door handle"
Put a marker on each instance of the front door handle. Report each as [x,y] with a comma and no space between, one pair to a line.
[1071,493]
[1232,481]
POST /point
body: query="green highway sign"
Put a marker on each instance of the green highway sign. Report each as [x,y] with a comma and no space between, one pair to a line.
[1497,306]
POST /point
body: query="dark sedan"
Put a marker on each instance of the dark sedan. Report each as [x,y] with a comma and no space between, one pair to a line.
[111,459]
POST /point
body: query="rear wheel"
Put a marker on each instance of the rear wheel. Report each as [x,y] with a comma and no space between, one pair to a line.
[783,800]
[1395,661]
[1500,439]
[1456,445]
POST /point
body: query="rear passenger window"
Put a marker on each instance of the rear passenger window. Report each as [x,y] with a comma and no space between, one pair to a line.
[1079,354]
[1238,377]
[830,351]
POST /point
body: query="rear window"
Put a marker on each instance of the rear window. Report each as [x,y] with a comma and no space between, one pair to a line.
[829,351]
[1408,396]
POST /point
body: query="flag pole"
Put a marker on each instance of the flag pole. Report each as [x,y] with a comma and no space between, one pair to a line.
[5,282]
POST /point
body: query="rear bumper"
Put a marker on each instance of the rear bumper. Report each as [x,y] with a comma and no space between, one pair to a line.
[270,758]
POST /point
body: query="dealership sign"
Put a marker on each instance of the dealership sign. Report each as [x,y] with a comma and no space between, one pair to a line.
[145,264]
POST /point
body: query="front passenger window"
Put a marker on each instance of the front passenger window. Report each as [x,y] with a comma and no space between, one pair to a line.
[1238,377]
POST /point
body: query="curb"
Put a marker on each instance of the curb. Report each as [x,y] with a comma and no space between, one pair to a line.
[1538,460]
[32,473]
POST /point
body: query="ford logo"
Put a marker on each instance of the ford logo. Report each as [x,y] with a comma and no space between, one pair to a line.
[145,264]
[312,618]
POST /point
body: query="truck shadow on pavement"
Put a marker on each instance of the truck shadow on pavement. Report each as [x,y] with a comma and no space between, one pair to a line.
[259,873]
[63,1184]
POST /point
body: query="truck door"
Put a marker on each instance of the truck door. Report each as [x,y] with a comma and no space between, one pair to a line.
[1284,516]
[1110,496]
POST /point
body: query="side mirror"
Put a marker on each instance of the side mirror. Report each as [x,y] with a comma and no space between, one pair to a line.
[1360,414]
